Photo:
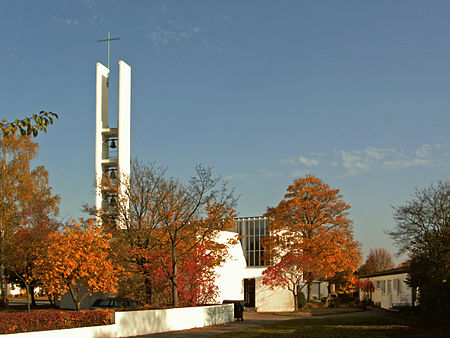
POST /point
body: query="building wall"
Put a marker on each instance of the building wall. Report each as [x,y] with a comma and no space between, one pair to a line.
[267,300]
[390,291]
[230,274]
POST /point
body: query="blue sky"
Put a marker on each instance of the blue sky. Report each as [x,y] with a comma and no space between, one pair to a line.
[354,92]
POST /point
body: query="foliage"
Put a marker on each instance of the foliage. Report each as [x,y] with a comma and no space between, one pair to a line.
[423,231]
[30,239]
[301,300]
[310,234]
[27,208]
[367,287]
[158,216]
[78,258]
[378,260]
[29,125]
[196,276]
[14,322]
[346,282]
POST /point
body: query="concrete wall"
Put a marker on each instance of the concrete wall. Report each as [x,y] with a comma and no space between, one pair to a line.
[132,323]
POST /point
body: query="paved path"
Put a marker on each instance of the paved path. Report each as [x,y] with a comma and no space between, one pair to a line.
[253,319]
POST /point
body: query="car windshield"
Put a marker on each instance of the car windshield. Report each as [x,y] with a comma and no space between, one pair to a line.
[103,302]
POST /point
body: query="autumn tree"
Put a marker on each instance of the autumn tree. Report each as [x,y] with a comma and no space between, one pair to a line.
[27,208]
[153,214]
[309,232]
[422,231]
[378,260]
[30,126]
[79,261]
[16,190]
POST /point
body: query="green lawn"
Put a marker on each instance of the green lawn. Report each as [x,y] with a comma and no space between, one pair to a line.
[344,327]
[318,311]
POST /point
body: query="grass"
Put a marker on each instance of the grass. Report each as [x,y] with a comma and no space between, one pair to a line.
[348,326]
[318,311]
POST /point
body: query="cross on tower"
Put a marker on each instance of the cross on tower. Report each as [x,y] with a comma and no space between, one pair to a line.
[108,39]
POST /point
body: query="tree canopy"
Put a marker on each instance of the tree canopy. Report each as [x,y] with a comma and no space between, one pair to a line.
[162,218]
[79,261]
[378,260]
[422,231]
[310,229]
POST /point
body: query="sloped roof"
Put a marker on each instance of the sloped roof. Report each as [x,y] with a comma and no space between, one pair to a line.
[394,271]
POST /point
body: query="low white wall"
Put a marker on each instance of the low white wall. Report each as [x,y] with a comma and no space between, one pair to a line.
[132,323]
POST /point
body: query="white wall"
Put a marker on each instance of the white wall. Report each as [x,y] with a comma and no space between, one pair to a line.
[230,274]
[267,300]
[132,323]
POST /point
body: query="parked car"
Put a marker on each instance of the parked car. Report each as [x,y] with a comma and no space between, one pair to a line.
[116,303]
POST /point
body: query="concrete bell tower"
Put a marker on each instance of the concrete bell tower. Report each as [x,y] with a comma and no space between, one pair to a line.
[112,144]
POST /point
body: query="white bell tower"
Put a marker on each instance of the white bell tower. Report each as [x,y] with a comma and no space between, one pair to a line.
[112,144]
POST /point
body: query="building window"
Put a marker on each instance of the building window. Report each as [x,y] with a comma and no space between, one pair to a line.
[383,286]
[252,229]
[378,284]
[389,286]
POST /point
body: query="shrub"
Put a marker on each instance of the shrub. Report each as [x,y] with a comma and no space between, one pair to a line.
[13,322]
[301,299]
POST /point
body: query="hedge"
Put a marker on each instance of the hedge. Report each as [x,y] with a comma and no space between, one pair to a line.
[14,322]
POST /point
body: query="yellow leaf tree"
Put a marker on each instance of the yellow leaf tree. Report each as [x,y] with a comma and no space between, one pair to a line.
[310,228]
[77,259]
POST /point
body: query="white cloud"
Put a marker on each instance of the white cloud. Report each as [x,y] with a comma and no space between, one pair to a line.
[66,21]
[237,176]
[404,163]
[355,162]
[309,162]
[291,160]
[378,153]
[423,151]
[266,174]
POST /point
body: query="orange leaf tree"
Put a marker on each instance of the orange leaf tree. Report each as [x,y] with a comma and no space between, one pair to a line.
[161,217]
[77,259]
[309,228]
[21,190]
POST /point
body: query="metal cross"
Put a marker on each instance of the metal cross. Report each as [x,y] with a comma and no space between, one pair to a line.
[108,39]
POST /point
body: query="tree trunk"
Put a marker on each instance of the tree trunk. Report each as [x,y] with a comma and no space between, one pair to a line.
[148,290]
[175,299]
[28,297]
[33,298]
[74,298]
[309,298]
[295,300]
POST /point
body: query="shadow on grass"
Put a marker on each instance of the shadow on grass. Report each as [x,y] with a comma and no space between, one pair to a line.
[343,327]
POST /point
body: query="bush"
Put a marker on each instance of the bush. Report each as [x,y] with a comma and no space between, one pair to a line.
[14,322]
[301,299]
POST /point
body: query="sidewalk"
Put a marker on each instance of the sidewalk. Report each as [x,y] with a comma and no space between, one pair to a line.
[251,319]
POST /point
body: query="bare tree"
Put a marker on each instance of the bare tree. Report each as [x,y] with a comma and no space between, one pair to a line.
[423,231]
[378,260]
[423,222]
